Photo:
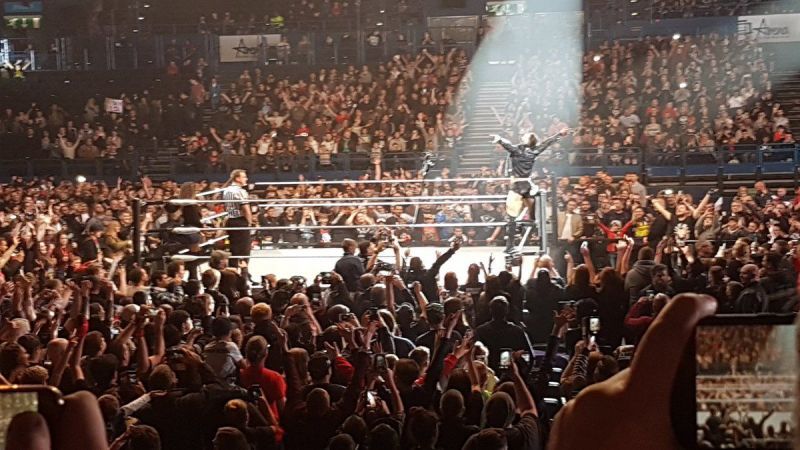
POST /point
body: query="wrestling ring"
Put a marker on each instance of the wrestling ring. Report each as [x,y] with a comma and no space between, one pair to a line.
[309,259]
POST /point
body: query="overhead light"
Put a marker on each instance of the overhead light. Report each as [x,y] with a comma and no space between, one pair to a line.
[634,13]
[80,179]
[141,17]
[383,11]
[379,24]
[682,85]
[676,36]
[597,58]
[146,5]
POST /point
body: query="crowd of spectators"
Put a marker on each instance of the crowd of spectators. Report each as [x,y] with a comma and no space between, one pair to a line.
[709,95]
[376,353]
[358,352]
[662,95]
[663,9]
[398,107]
[305,13]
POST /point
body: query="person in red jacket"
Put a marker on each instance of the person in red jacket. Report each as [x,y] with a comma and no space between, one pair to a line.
[614,233]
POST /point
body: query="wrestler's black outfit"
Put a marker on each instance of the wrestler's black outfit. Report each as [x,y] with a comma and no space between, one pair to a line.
[521,161]
[522,158]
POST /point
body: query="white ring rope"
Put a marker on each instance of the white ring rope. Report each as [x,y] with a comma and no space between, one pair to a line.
[294,227]
[393,181]
[355,200]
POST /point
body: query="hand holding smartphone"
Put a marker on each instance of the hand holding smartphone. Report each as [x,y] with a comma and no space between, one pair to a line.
[18,399]
[739,372]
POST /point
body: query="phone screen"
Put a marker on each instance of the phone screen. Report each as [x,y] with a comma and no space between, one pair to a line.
[505,359]
[594,325]
[745,379]
[13,403]
[380,362]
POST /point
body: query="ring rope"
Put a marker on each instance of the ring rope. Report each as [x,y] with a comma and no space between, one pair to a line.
[393,181]
[388,200]
[193,230]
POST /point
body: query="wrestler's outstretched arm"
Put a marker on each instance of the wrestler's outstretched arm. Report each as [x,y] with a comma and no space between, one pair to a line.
[551,140]
[505,143]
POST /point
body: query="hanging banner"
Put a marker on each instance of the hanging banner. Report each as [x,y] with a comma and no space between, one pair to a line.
[245,48]
[771,28]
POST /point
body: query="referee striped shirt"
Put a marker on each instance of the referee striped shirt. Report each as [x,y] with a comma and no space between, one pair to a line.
[234,192]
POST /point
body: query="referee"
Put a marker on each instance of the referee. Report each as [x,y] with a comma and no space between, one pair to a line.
[239,215]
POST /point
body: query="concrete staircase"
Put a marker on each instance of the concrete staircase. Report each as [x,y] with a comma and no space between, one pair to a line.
[158,164]
[476,148]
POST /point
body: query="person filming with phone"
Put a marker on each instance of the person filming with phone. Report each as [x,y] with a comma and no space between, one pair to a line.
[499,334]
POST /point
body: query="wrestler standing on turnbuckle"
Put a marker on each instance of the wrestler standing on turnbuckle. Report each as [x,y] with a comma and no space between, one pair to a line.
[521,161]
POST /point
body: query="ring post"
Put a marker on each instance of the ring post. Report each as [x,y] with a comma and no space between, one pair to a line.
[137,231]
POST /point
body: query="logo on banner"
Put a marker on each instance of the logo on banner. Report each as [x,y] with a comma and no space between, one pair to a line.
[244,50]
[764,30]
[772,28]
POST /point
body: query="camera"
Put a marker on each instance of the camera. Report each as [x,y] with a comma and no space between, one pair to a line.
[383,266]
[325,277]
[174,354]
[346,317]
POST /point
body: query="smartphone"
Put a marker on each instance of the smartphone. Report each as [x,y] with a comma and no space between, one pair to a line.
[738,371]
[594,325]
[131,376]
[379,362]
[254,393]
[371,403]
[505,358]
[17,399]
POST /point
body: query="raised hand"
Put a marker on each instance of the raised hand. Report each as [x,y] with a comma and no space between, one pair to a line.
[465,346]
[332,350]
[562,318]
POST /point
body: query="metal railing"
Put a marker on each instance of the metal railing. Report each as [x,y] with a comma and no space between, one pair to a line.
[66,169]
[679,165]
[777,159]
[310,165]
